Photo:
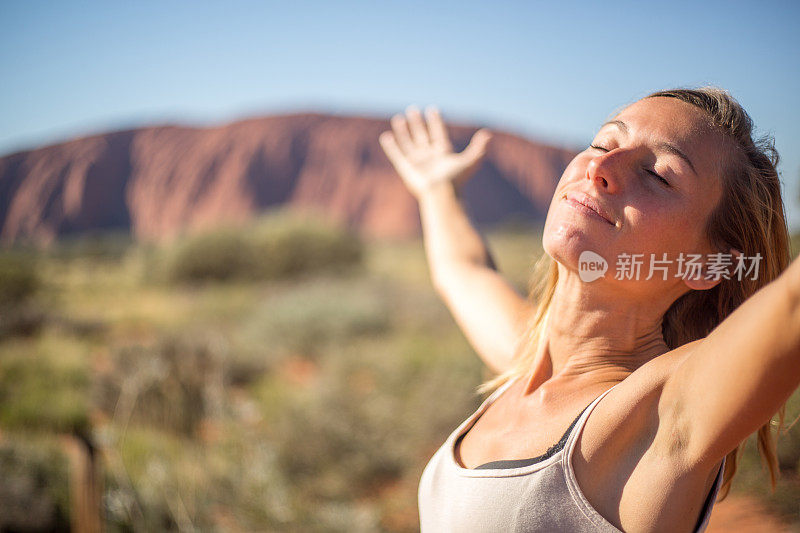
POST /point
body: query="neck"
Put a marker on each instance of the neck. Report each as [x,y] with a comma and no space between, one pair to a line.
[596,333]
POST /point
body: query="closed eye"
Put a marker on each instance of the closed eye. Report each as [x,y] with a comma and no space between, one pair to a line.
[664,181]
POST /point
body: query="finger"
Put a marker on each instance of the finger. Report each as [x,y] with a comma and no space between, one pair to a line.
[401,134]
[438,131]
[477,146]
[419,131]
[393,152]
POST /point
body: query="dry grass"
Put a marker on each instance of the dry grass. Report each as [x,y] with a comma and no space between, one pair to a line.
[307,404]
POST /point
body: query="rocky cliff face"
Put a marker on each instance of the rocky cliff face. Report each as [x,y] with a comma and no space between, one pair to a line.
[162,181]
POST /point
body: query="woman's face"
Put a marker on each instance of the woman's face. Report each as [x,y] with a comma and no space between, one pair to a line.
[653,173]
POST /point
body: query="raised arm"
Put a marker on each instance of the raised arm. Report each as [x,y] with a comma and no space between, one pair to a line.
[490,312]
[488,309]
[737,377]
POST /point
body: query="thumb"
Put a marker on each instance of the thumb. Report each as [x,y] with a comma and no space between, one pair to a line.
[477,145]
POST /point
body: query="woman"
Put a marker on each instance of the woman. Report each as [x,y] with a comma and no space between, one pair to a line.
[621,400]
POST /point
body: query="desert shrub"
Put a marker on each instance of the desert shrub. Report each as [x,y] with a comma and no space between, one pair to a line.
[368,417]
[308,316]
[171,483]
[289,244]
[221,254]
[19,279]
[34,487]
[170,384]
[278,246]
[42,388]
[20,283]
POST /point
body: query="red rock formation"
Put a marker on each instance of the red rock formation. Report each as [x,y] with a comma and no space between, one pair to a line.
[161,181]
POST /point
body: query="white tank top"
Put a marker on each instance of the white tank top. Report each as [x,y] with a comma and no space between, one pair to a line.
[543,496]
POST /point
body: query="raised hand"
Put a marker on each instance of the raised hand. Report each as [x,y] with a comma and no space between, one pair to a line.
[423,154]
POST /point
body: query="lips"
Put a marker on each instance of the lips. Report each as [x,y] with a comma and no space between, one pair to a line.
[591,203]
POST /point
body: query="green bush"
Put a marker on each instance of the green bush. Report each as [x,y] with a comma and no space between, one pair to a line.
[19,279]
[311,315]
[277,246]
[288,244]
[218,255]
[43,391]
[20,282]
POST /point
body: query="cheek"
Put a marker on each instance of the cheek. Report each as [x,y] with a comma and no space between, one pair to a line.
[663,227]
[647,211]
[574,173]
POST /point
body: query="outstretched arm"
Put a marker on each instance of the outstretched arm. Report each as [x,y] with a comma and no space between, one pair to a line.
[490,312]
[737,377]
[488,309]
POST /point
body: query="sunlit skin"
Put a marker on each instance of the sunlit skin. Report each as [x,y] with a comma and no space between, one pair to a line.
[651,449]
[607,318]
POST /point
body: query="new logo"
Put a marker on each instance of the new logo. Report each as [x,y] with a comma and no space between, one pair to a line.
[591,266]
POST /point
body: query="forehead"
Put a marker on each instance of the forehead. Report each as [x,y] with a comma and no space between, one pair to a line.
[670,117]
[660,119]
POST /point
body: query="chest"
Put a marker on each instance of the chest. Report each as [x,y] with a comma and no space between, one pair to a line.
[611,457]
[507,430]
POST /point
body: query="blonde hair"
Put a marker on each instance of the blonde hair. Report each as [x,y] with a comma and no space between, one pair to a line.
[749,217]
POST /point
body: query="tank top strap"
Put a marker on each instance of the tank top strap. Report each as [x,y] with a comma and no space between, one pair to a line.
[576,431]
[501,389]
[712,497]
[572,482]
[583,503]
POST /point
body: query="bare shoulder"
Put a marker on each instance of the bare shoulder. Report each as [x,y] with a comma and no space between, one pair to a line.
[634,401]
[628,416]
[618,465]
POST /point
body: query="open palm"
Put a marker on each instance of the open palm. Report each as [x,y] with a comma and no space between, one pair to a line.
[423,154]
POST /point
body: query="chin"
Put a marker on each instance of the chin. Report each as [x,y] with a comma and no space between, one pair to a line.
[565,242]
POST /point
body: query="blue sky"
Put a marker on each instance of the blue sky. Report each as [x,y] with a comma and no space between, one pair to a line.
[548,70]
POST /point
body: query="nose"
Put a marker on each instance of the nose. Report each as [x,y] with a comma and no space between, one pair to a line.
[605,170]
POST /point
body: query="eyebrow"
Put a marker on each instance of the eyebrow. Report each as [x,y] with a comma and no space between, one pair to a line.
[663,146]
